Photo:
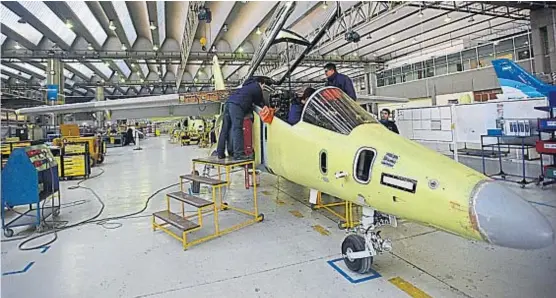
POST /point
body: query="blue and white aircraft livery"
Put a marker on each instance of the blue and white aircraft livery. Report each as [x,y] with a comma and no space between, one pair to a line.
[517,83]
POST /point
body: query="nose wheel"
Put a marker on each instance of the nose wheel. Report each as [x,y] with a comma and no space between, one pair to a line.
[351,244]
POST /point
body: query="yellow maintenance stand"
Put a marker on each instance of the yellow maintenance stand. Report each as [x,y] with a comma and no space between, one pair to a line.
[184,224]
[347,220]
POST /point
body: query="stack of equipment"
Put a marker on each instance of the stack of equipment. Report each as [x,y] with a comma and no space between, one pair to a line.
[29,179]
[75,160]
[547,146]
[9,146]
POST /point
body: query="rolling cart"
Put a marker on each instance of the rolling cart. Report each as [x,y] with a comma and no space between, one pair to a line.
[30,178]
[547,147]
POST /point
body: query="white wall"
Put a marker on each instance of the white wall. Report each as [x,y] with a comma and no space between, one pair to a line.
[444,98]
[413,103]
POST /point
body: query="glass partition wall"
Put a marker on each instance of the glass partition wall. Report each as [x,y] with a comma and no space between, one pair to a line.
[515,48]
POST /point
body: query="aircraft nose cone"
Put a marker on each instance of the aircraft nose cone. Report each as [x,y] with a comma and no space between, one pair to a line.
[506,219]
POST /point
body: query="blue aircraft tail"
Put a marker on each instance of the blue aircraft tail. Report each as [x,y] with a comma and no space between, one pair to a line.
[517,83]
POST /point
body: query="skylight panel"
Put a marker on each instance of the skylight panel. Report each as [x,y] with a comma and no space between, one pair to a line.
[161,16]
[32,69]
[51,20]
[68,74]
[105,70]
[123,66]
[3,38]
[10,20]
[15,72]
[144,67]
[81,68]
[125,19]
[5,76]
[69,82]
[82,11]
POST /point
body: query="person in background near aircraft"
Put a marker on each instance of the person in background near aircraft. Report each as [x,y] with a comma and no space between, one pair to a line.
[384,119]
[339,80]
[238,105]
[296,108]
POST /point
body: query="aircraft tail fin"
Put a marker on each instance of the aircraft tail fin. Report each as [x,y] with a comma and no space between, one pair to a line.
[516,82]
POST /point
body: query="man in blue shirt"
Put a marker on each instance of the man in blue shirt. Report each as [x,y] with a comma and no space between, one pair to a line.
[296,108]
[239,105]
[339,80]
[385,120]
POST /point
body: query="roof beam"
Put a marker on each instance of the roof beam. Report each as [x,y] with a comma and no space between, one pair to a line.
[17,8]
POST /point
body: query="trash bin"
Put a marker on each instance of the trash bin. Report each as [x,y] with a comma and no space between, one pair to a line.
[195,186]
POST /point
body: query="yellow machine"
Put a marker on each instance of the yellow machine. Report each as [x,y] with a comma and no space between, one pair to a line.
[70,134]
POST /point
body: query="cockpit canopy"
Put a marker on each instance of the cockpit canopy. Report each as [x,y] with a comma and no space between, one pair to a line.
[334,110]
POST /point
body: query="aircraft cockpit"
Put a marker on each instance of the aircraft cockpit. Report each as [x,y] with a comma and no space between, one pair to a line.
[332,109]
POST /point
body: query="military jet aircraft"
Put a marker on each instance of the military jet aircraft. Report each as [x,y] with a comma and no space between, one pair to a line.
[340,149]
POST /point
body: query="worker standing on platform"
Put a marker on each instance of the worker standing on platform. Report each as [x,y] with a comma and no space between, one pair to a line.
[384,119]
[339,80]
[239,105]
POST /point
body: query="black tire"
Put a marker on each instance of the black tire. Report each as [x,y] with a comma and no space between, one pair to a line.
[356,243]
[260,217]
[100,158]
[8,233]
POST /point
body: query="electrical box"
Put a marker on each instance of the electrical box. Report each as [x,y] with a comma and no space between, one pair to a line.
[29,177]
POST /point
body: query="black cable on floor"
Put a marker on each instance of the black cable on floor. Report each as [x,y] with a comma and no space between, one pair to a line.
[105,222]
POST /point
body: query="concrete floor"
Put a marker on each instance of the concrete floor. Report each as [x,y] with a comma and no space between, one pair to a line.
[286,255]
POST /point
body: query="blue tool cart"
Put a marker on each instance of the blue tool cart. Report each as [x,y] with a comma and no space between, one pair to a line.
[546,146]
[30,178]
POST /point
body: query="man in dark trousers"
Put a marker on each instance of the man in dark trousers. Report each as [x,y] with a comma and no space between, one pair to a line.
[384,119]
[339,80]
[239,105]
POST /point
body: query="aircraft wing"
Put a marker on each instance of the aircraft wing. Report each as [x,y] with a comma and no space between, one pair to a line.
[364,99]
[189,104]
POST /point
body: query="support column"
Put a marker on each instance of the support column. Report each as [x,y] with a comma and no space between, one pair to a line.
[543,39]
[55,86]
[370,78]
[99,96]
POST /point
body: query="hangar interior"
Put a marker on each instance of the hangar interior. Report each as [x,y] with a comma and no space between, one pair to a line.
[111,113]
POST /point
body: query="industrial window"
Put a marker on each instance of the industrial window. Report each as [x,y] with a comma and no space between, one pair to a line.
[323,162]
[469,58]
[363,165]
[505,49]
[454,63]
[485,54]
[440,66]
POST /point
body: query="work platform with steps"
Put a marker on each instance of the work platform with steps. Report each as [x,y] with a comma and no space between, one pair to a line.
[188,224]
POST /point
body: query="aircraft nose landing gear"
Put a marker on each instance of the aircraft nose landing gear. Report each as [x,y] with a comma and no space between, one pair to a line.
[363,243]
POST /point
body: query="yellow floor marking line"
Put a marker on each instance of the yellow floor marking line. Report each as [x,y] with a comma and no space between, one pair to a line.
[296,213]
[407,287]
[321,230]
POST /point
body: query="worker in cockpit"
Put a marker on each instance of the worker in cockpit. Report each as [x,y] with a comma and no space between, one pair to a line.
[297,106]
